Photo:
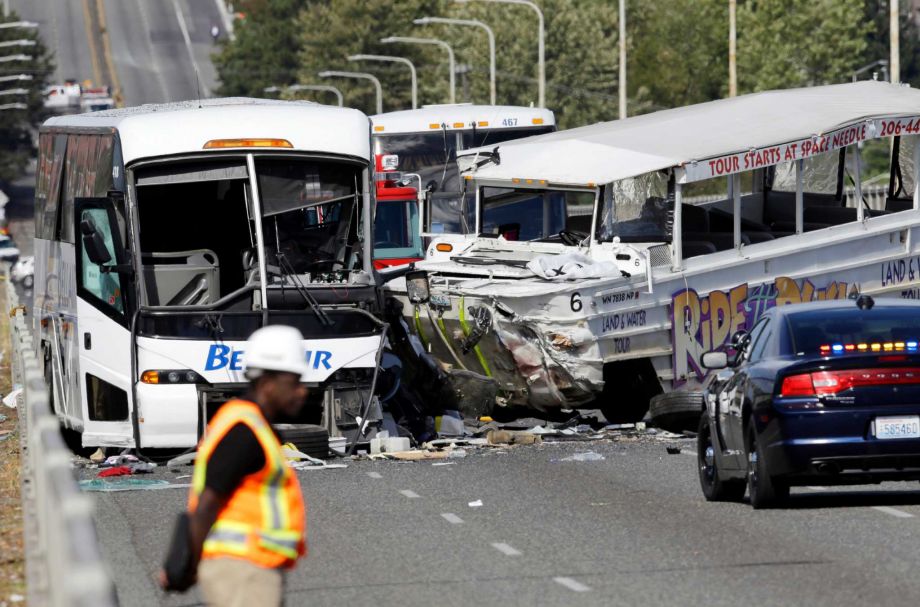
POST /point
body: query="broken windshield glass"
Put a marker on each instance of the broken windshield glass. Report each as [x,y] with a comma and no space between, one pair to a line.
[312,211]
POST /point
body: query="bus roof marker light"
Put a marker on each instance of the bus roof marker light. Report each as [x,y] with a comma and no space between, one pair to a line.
[537,121]
[837,348]
[482,123]
[215,144]
[434,125]
[458,125]
[911,345]
[378,128]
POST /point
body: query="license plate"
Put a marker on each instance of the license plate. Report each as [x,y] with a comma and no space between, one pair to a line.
[897,427]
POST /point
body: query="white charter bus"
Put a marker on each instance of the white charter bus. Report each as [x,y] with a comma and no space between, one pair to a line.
[424,143]
[166,234]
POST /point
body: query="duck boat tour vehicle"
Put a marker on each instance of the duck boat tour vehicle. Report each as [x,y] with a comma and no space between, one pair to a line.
[606,259]
[167,234]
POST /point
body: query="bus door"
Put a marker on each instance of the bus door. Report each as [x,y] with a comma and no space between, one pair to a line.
[103,323]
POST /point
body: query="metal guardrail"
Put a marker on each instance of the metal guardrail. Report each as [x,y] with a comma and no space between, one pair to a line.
[64,566]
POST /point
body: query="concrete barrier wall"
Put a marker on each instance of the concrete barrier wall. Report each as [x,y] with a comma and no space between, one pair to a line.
[64,566]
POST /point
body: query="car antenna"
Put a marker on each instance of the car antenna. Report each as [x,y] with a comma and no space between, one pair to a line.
[198,86]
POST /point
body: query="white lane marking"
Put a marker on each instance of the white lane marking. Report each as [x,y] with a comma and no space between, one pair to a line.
[409,493]
[811,488]
[571,584]
[375,475]
[893,511]
[452,518]
[506,549]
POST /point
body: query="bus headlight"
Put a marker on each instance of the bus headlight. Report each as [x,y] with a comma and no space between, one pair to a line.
[171,376]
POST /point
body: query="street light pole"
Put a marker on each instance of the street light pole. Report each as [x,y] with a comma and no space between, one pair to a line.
[622,86]
[21,24]
[21,77]
[732,48]
[15,58]
[541,55]
[895,41]
[435,41]
[359,76]
[391,59]
[308,87]
[17,43]
[472,23]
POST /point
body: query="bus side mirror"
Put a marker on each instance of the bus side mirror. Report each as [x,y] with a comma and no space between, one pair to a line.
[93,243]
[417,288]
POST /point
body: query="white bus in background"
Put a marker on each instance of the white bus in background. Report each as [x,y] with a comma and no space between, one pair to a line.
[166,234]
[424,143]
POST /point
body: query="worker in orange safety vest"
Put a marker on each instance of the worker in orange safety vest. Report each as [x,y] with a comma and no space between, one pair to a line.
[246,519]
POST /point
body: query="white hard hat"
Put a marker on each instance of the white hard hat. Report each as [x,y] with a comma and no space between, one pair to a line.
[275,348]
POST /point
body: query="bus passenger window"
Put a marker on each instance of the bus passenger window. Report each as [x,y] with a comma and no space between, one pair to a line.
[104,286]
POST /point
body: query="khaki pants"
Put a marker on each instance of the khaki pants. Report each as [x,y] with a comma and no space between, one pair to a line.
[229,582]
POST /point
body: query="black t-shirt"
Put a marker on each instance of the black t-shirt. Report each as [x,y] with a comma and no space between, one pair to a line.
[236,455]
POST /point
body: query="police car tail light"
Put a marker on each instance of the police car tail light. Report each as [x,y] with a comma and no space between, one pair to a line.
[798,385]
[171,376]
[833,382]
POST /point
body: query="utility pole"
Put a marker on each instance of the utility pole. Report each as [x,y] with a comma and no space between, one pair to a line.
[895,42]
[732,48]
[622,91]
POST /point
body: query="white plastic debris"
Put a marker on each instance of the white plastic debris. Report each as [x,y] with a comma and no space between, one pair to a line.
[10,400]
[587,456]
[389,444]
[476,504]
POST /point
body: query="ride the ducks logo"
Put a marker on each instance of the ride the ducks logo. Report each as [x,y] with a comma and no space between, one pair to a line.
[701,323]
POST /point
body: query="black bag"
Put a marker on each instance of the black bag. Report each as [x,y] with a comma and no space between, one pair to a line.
[178,566]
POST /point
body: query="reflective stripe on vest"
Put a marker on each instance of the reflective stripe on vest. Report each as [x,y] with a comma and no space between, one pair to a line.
[264,526]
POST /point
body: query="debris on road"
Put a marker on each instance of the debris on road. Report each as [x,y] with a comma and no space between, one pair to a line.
[476,504]
[587,456]
[506,437]
[673,450]
[11,399]
[128,484]
[126,469]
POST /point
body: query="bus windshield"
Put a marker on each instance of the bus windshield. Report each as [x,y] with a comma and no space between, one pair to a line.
[433,155]
[310,214]
[537,215]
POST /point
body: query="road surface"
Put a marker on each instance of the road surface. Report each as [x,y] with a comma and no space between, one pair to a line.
[632,529]
[154,46]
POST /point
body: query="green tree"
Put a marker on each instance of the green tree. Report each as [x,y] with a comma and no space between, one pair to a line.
[580,53]
[17,125]
[677,52]
[878,42]
[265,50]
[790,43]
[331,31]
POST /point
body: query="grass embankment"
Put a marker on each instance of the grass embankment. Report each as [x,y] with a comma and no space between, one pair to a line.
[12,555]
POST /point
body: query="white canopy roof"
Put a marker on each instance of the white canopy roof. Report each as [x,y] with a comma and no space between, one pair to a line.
[610,151]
